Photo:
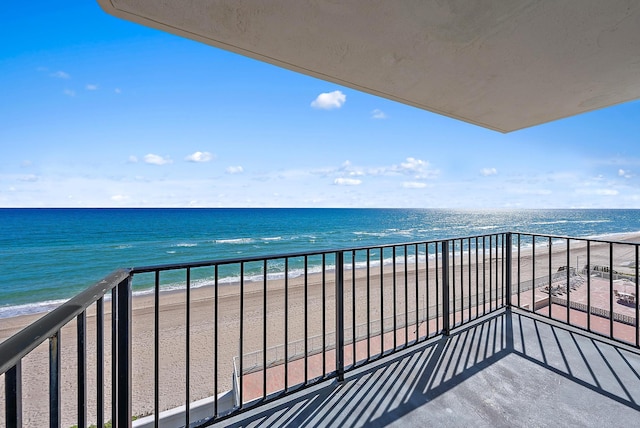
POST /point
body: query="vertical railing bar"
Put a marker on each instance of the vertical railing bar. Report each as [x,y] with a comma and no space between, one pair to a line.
[306,320]
[13,395]
[353,304]
[484,275]
[417,303]
[533,275]
[611,290]
[498,271]
[340,315]
[381,301]
[446,315]
[241,344]
[368,304]
[123,396]
[286,324]
[550,256]
[505,280]
[264,328]
[81,338]
[438,288]
[452,278]
[499,267]
[156,350]
[477,280]
[490,273]
[569,283]
[215,341]
[589,285]
[461,281]
[470,277]
[187,353]
[395,314]
[55,389]
[507,261]
[324,314]
[114,354]
[426,310]
[519,264]
[100,362]
[406,297]
[636,298]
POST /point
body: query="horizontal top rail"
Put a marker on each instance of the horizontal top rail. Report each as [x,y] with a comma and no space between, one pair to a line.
[220,262]
[574,238]
[20,344]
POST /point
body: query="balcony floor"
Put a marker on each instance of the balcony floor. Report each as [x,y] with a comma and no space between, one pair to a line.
[506,370]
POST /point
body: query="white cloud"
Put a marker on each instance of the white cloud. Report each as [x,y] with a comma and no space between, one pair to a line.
[117,91]
[61,75]
[119,198]
[606,192]
[133,159]
[69,92]
[156,159]
[91,87]
[414,185]
[26,163]
[347,181]
[378,114]
[625,174]
[486,172]
[235,170]
[598,192]
[30,178]
[199,157]
[413,165]
[329,100]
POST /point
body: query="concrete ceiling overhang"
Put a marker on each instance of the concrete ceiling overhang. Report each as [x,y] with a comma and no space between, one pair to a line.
[501,64]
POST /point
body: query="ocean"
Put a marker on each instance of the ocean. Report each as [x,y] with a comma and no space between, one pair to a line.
[49,255]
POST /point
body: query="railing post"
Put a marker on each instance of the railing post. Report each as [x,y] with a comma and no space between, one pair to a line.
[13,396]
[122,394]
[446,324]
[340,315]
[508,266]
[55,408]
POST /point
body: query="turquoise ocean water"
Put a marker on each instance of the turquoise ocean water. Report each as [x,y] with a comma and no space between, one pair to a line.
[49,255]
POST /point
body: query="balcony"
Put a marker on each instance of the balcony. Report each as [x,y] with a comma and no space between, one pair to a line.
[499,329]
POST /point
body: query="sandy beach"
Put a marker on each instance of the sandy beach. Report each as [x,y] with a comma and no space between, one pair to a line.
[308,309]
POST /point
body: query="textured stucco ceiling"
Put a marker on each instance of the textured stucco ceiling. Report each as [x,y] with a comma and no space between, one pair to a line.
[501,64]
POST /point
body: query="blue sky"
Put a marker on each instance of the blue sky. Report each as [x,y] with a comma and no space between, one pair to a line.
[99,112]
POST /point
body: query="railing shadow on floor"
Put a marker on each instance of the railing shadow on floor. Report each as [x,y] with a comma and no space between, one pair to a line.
[513,361]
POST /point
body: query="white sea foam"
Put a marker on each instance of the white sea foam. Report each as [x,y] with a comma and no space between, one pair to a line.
[542,223]
[30,308]
[234,241]
[185,244]
[487,227]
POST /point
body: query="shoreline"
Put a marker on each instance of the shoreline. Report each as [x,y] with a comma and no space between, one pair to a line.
[307,313]
[30,313]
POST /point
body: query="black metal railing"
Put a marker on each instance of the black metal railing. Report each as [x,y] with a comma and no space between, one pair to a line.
[590,284]
[48,329]
[264,327]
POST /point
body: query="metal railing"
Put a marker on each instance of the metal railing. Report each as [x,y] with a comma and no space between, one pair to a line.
[48,328]
[590,284]
[275,324]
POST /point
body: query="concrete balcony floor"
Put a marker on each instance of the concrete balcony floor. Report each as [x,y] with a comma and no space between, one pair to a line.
[508,369]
